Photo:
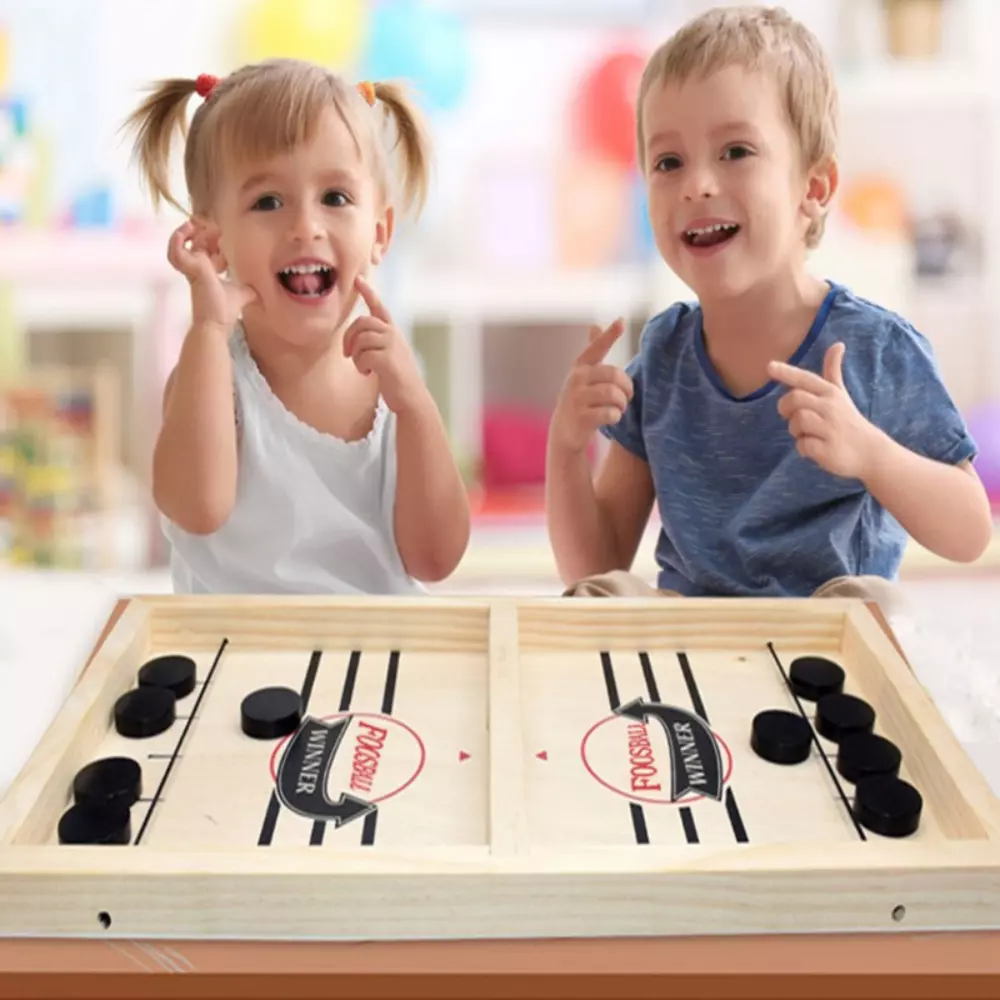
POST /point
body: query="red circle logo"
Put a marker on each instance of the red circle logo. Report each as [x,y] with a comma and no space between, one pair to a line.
[377,756]
[634,759]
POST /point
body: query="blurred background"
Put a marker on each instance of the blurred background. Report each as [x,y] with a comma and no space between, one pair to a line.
[536,227]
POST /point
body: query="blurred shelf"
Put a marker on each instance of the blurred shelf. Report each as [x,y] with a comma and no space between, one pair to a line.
[917,85]
[486,295]
[55,258]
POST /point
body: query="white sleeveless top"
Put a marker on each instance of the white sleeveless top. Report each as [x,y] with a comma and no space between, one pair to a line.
[313,513]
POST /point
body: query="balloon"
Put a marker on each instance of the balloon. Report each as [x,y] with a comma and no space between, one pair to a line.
[984,426]
[604,109]
[416,42]
[328,32]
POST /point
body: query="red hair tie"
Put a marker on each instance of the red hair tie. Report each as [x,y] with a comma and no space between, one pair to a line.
[367,90]
[205,84]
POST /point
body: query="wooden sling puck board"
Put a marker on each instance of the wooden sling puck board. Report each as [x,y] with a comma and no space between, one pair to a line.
[431,768]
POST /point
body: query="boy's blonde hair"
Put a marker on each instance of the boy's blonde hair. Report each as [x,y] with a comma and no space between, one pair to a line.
[267,109]
[765,39]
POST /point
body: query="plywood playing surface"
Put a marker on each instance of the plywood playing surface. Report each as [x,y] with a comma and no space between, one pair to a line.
[495,768]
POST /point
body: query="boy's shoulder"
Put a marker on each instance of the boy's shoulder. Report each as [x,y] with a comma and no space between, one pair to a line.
[669,325]
[854,317]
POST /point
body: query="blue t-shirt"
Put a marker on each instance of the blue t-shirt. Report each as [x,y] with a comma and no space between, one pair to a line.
[742,512]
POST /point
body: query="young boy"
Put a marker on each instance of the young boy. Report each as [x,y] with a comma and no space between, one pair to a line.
[791,433]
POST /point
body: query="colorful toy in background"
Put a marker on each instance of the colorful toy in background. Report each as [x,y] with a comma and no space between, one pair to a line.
[604,167]
[411,40]
[54,437]
[329,32]
[603,112]
[423,44]
[984,426]
[42,474]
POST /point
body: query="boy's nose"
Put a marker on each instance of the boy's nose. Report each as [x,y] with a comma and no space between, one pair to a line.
[306,226]
[700,183]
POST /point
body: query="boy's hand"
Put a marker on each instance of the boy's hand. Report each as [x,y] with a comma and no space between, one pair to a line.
[214,302]
[827,426]
[594,394]
[376,347]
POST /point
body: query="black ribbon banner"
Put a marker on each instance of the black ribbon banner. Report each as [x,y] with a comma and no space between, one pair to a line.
[304,772]
[695,759]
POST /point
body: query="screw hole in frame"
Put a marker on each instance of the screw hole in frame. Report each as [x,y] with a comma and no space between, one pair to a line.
[104,919]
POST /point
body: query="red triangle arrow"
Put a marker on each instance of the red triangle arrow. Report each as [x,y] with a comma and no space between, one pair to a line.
[542,755]
[462,755]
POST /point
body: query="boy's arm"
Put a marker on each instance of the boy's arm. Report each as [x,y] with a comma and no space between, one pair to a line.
[912,453]
[942,507]
[596,523]
[432,505]
[195,458]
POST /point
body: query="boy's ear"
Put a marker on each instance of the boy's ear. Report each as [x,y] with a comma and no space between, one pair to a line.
[821,186]
[383,236]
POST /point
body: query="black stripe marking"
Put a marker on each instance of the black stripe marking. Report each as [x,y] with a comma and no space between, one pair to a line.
[346,694]
[819,746]
[609,681]
[175,756]
[389,694]
[274,804]
[687,817]
[732,809]
[639,823]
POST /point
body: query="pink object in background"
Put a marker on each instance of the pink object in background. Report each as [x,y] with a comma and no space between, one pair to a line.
[514,442]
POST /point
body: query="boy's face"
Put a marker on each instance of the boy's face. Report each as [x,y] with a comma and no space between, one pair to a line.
[299,228]
[729,197]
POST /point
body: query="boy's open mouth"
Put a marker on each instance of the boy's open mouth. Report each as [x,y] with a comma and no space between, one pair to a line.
[311,281]
[710,236]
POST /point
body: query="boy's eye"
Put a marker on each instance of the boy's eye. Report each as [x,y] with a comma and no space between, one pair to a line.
[737,152]
[266,203]
[669,162]
[335,199]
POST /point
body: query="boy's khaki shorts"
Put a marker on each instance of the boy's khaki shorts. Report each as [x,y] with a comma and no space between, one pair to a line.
[620,583]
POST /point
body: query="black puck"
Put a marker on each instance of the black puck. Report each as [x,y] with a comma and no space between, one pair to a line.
[87,824]
[812,677]
[841,715]
[867,755]
[271,713]
[889,807]
[175,673]
[145,711]
[111,781]
[781,737]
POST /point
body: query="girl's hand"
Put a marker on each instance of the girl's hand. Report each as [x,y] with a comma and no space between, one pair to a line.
[377,347]
[214,301]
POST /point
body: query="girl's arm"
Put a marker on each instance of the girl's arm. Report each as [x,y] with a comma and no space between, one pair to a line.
[194,461]
[432,505]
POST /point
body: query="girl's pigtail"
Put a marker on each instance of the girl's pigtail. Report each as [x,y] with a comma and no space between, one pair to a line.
[413,143]
[155,122]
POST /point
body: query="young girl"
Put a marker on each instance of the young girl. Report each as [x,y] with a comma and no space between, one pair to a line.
[300,450]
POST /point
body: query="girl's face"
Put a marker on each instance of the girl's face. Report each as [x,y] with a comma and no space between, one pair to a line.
[298,229]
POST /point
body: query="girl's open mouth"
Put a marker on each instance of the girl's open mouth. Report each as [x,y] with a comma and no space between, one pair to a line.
[309,281]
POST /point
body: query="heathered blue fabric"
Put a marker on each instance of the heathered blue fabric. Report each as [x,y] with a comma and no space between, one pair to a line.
[742,512]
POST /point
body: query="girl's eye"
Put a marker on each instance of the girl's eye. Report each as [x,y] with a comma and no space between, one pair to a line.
[737,153]
[335,199]
[267,203]
[668,162]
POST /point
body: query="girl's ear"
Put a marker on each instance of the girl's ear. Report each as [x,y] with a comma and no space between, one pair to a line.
[383,236]
[207,240]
